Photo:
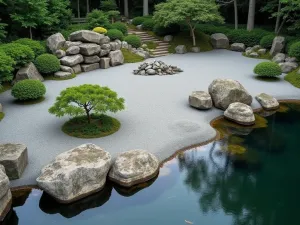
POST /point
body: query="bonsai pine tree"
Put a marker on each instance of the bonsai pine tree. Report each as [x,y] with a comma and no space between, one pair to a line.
[190,12]
[85,100]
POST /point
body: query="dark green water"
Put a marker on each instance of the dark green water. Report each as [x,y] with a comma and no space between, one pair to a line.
[209,185]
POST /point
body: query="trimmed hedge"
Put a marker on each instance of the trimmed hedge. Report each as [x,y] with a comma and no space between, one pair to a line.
[140,20]
[28,90]
[267,41]
[249,38]
[34,45]
[169,30]
[6,67]
[115,34]
[133,40]
[47,64]
[100,30]
[148,24]
[294,50]
[121,27]
[267,69]
[212,29]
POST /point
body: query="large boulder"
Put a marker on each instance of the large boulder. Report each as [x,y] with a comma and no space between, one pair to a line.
[267,102]
[28,72]
[89,67]
[55,42]
[219,40]
[134,167]
[5,194]
[71,60]
[240,113]
[89,49]
[86,36]
[181,49]
[104,40]
[116,58]
[277,45]
[227,91]
[279,58]
[287,67]
[168,38]
[76,173]
[14,158]
[238,47]
[73,50]
[200,100]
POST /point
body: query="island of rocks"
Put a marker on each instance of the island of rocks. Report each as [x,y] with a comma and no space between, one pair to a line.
[156,68]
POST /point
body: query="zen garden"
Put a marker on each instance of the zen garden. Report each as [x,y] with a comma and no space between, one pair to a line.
[149,112]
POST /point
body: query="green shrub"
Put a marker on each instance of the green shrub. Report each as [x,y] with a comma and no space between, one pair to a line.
[210,29]
[295,50]
[267,69]
[140,20]
[108,5]
[121,27]
[72,28]
[130,57]
[289,41]
[47,63]
[267,41]
[169,30]
[21,54]
[34,45]
[115,34]
[28,90]
[148,24]
[134,40]
[249,38]
[6,67]
[97,18]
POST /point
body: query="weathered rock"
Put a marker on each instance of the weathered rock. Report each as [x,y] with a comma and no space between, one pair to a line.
[60,53]
[267,102]
[256,48]
[116,58]
[5,194]
[195,49]
[71,60]
[150,71]
[104,40]
[118,45]
[77,69]
[139,27]
[14,158]
[200,100]
[237,47]
[254,54]
[277,45]
[28,72]
[55,42]
[89,67]
[89,49]
[134,167]
[124,44]
[181,49]
[248,48]
[291,59]
[66,69]
[287,67]
[219,41]
[69,44]
[248,52]
[227,91]
[76,173]
[4,182]
[262,51]
[103,52]
[62,74]
[240,113]
[113,46]
[104,63]
[106,47]
[73,50]
[279,58]
[91,59]
[1,108]
[86,36]
[168,38]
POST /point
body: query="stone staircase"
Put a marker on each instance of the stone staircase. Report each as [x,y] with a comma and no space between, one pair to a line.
[162,46]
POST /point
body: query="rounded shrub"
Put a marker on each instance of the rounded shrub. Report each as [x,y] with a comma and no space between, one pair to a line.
[289,41]
[140,20]
[28,90]
[97,18]
[267,41]
[47,63]
[267,69]
[148,24]
[34,45]
[134,40]
[6,67]
[294,50]
[169,30]
[121,27]
[249,38]
[115,34]
[21,54]
[100,30]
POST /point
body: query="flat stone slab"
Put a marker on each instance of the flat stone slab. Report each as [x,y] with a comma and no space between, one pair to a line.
[240,113]
[91,59]
[89,67]
[89,49]
[200,100]
[71,60]
[267,101]
[62,74]
[14,158]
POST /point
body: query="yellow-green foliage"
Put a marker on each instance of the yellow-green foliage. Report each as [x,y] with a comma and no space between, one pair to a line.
[1,115]
[236,149]
[100,30]
[130,57]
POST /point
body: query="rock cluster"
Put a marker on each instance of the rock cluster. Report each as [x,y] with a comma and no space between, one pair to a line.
[287,64]
[5,194]
[156,68]
[255,51]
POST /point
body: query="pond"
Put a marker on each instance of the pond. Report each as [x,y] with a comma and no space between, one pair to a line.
[250,176]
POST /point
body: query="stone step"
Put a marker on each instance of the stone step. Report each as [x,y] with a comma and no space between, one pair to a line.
[158,55]
[159,52]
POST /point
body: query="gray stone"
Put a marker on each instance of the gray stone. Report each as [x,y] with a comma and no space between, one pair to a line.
[134,167]
[219,41]
[66,69]
[69,44]
[227,91]
[116,58]
[139,27]
[277,45]
[150,71]
[91,59]
[113,46]
[237,47]
[118,44]
[104,63]
[168,38]
[60,53]
[262,51]
[14,158]
[181,49]
[89,67]
[71,60]
[248,48]
[55,42]
[76,173]
[267,102]
[4,182]
[287,67]
[28,72]
[104,40]
[62,74]
[240,113]
[77,69]
[73,50]
[256,48]
[248,52]
[89,49]
[1,108]
[103,52]
[106,47]
[195,49]
[254,54]
[279,58]
[291,59]
[5,194]
[124,44]
[200,100]
[86,36]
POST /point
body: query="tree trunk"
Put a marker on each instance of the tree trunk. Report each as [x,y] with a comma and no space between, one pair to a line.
[278,17]
[126,14]
[236,19]
[251,15]
[87,6]
[78,9]
[145,8]
[87,114]
[30,32]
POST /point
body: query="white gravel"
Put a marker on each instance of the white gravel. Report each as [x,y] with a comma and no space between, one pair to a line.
[157,116]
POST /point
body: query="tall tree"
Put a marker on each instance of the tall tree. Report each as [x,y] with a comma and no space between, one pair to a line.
[78,8]
[227,2]
[87,6]
[251,15]
[145,8]
[126,8]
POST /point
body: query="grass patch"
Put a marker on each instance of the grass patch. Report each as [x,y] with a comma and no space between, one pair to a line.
[130,57]
[294,78]
[52,77]
[29,102]
[5,87]
[151,44]
[1,115]
[100,126]
[263,56]
[184,38]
